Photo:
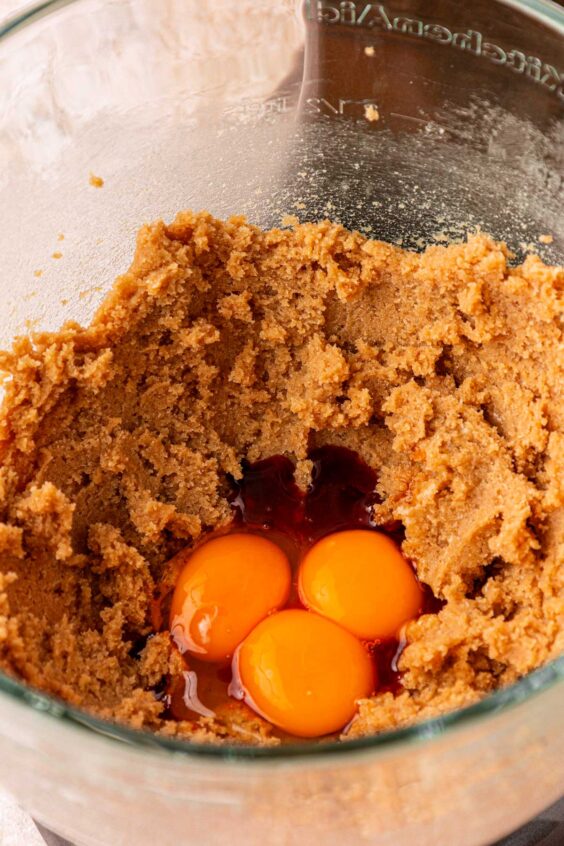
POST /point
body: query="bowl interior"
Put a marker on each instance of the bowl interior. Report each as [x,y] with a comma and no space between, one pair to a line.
[415,126]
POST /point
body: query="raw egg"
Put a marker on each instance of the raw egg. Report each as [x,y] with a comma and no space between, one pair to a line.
[228,585]
[360,579]
[303,673]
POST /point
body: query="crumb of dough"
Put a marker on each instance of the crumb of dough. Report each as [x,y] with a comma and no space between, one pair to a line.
[56,255]
[60,236]
[369,51]
[224,343]
[289,220]
[38,273]
[96,181]
[546,239]
[371,113]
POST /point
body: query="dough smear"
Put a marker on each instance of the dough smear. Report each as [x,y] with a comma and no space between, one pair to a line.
[444,371]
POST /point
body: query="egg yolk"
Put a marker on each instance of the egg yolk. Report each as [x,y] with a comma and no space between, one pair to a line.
[228,585]
[303,672]
[360,579]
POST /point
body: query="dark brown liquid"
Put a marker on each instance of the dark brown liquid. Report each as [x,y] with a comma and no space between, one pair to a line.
[267,501]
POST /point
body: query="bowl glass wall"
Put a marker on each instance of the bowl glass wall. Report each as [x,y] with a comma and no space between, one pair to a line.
[260,108]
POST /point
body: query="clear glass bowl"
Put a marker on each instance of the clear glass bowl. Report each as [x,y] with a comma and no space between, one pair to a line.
[259,108]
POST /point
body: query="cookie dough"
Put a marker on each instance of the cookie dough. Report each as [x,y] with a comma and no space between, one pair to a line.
[223,342]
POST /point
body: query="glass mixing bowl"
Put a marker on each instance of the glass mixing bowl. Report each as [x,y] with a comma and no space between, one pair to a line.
[260,107]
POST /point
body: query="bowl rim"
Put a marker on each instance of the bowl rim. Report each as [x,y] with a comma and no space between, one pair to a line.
[505,699]
[533,684]
[548,12]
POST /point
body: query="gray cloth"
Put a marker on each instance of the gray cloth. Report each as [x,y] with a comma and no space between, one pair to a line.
[545,830]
